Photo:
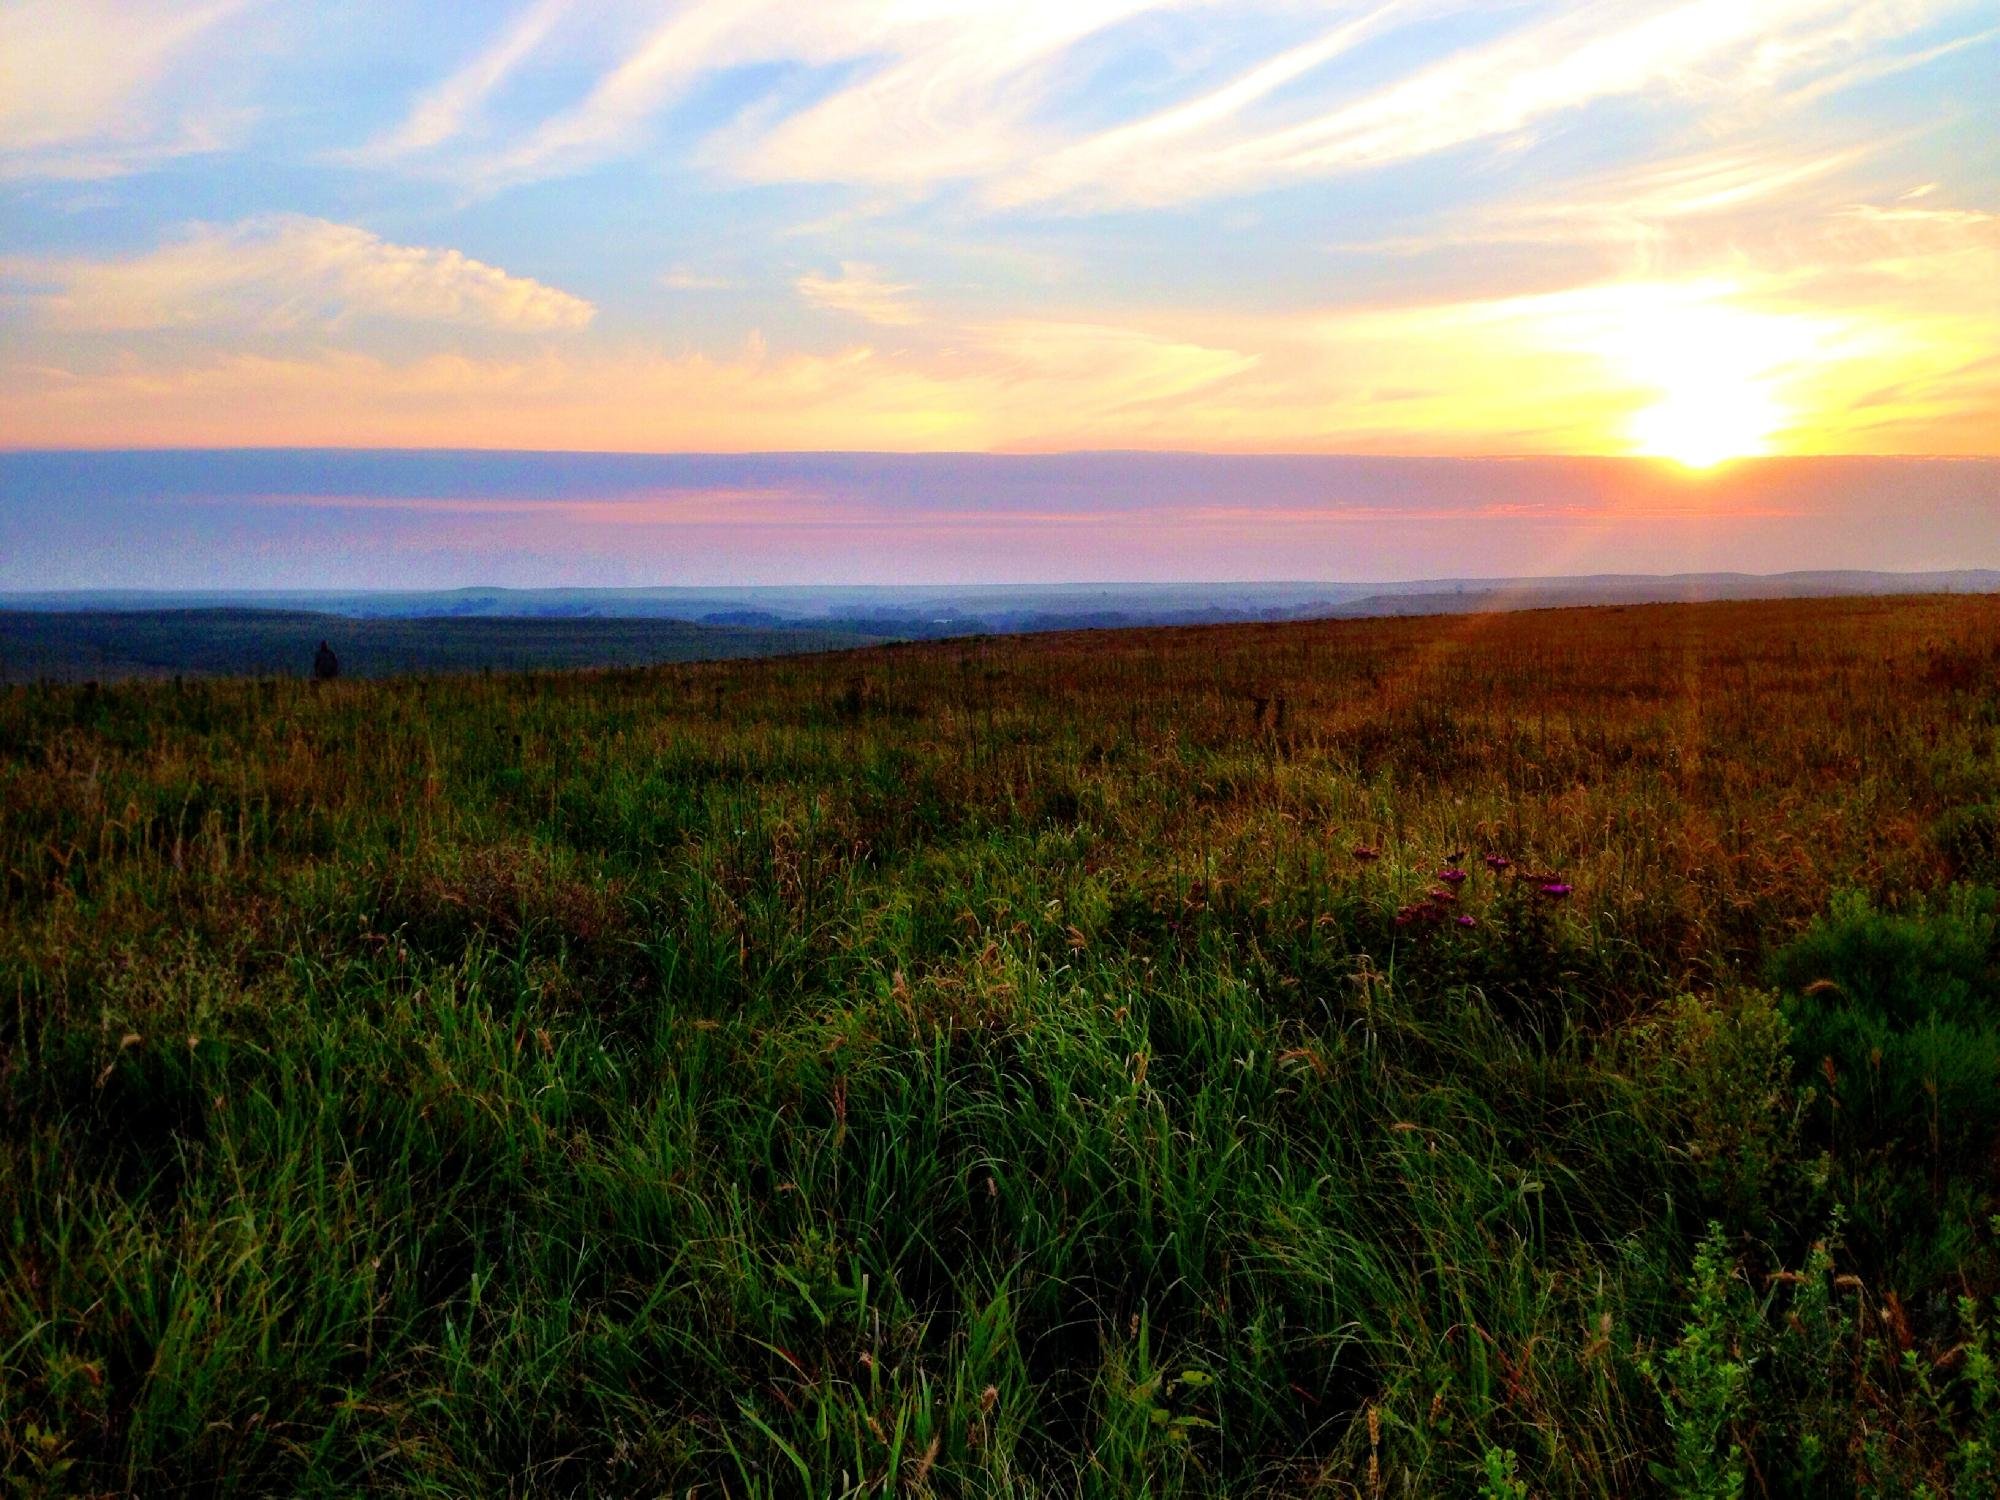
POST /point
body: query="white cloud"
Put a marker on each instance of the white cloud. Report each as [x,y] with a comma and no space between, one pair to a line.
[1499,89]
[1135,146]
[861,292]
[1660,206]
[914,95]
[959,97]
[946,85]
[84,85]
[686,279]
[700,35]
[444,112]
[286,271]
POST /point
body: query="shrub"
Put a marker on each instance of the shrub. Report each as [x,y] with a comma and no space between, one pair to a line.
[1896,1012]
[1963,1405]
[1969,837]
[1866,1411]
[1896,1035]
[1707,1379]
[1718,1070]
[1499,1476]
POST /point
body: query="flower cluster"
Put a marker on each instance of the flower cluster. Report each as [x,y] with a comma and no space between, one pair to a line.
[1437,908]
[1433,911]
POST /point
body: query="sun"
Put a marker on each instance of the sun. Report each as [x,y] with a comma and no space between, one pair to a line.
[1707,421]
[1712,370]
[1708,378]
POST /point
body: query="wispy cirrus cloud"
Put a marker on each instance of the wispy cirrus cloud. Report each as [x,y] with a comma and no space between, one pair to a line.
[447,109]
[948,85]
[1495,90]
[286,272]
[1132,148]
[687,279]
[997,385]
[88,88]
[1009,96]
[931,92]
[860,291]
[963,94]
[1692,187]
[1672,201]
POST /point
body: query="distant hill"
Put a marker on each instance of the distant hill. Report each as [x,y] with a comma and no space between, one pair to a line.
[75,645]
[110,634]
[929,612]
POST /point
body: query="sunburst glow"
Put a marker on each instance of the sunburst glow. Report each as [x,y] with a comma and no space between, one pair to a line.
[1719,373]
[1706,422]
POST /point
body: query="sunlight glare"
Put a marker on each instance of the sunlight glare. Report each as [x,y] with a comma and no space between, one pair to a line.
[1702,421]
[1713,368]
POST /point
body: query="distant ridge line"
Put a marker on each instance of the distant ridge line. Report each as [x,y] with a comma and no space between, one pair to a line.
[916,611]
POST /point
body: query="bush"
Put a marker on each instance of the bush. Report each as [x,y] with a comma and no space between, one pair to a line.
[1895,1011]
[1865,1411]
[1969,837]
[1705,1378]
[1719,1089]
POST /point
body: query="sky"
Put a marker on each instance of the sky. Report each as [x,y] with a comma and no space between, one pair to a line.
[1692,232]
[352,519]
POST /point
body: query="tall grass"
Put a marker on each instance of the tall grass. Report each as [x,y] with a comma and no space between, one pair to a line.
[985,1068]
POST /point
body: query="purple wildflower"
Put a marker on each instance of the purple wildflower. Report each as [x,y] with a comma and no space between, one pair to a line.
[1418,915]
[1555,890]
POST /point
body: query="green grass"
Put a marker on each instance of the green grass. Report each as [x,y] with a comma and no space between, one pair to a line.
[987,1069]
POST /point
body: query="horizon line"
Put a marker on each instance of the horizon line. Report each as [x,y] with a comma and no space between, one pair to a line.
[1645,459]
[1024,584]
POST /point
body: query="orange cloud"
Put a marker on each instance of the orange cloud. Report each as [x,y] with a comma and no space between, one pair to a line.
[990,396]
[1876,337]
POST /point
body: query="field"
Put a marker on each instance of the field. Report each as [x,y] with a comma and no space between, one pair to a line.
[109,644]
[1536,1054]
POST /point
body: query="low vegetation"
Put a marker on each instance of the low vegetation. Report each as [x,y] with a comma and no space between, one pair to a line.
[104,645]
[1541,1054]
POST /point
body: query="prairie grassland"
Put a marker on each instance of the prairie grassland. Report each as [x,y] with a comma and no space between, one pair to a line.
[989,1068]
